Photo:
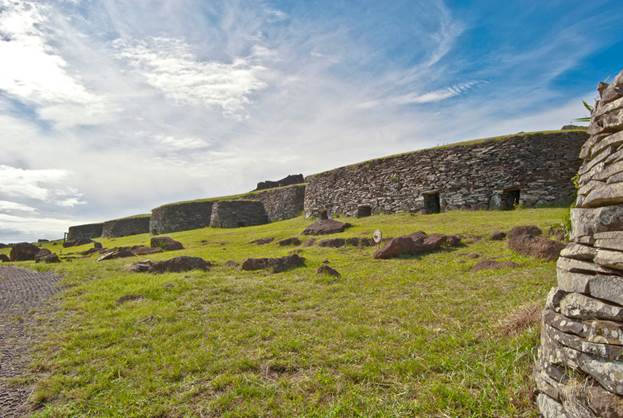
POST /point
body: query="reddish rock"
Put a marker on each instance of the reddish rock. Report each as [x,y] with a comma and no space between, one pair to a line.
[23,252]
[277,265]
[536,246]
[530,230]
[142,250]
[173,265]
[326,226]
[360,242]
[397,247]
[290,241]
[498,236]
[166,243]
[333,242]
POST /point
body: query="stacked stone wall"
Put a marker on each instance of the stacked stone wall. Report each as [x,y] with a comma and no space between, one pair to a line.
[238,213]
[87,231]
[579,371]
[480,175]
[282,203]
[126,226]
[180,217]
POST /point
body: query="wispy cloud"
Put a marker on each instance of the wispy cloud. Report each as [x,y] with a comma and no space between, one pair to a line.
[43,185]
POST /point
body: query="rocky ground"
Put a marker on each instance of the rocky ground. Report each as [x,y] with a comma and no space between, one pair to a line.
[23,294]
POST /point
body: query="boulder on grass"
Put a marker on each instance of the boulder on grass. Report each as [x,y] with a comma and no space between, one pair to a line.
[142,250]
[332,242]
[77,242]
[536,246]
[417,243]
[116,253]
[4,258]
[360,242]
[262,241]
[48,258]
[42,253]
[530,230]
[166,243]
[290,241]
[276,265]
[174,265]
[23,252]
[326,226]
[498,236]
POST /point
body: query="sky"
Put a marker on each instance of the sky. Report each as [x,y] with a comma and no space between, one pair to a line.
[109,108]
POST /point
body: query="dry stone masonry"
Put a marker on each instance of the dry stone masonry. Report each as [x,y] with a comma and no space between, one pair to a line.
[529,169]
[83,232]
[126,226]
[238,213]
[579,372]
[180,216]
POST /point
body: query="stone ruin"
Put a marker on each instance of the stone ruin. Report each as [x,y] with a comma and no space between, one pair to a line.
[126,226]
[238,213]
[579,371]
[84,232]
[287,181]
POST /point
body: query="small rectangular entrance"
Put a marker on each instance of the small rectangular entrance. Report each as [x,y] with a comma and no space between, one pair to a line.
[432,203]
[364,211]
[510,199]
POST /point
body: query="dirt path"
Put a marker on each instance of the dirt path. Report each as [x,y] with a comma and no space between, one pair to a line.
[22,294]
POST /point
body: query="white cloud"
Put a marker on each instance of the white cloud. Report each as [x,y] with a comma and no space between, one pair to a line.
[11,207]
[173,143]
[29,228]
[43,185]
[169,65]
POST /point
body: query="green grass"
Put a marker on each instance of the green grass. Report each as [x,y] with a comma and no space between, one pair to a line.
[415,336]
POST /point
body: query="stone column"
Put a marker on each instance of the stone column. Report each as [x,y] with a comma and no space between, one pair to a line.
[579,371]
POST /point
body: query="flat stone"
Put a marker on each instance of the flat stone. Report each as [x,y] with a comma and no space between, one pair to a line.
[564,324]
[290,241]
[608,373]
[586,222]
[604,332]
[549,407]
[327,270]
[577,306]
[554,297]
[608,288]
[604,403]
[578,266]
[530,230]
[573,282]
[326,226]
[579,252]
[166,243]
[277,265]
[609,194]
[609,258]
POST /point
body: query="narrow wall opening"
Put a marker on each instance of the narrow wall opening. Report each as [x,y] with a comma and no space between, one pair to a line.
[510,199]
[432,203]
[363,211]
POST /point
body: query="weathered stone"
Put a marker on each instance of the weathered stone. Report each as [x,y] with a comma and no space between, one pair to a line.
[579,252]
[277,265]
[88,231]
[608,373]
[116,253]
[4,258]
[287,181]
[609,194]
[529,230]
[554,297]
[494,265]
[360,242]
[126,226]
[332,242]
[498,236]
[577,306]
[166,243]
[76,242]
[142,250]
[604,332]
[290,241]
[281,203]
[23,252]
[605,351]
[326,226]
[180,216]
[608,288]
[47,258]
[564,324]
[604,403]
[609,258]
[238,213]
[586,222]
[573,282]
[262,241]
[550,408]
[180,264]
[397,247]
[328,270]
[535,246]
[578,266]
[460,174]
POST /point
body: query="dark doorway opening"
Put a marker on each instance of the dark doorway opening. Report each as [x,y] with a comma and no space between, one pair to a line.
[241,224]
[431,203]
[323,215]
[510,199]
[363,211]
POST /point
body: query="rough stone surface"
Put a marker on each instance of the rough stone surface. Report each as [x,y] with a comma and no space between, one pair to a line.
[23,295]
[23,252]
[529,230]
[290,241]
[498,236]
[326,226]
[414,244]
[166,243]
[87,231]
[468,176]
[116,253]
[126,226]
[582,332]
[276,265]
[173,265]
[76,242]
[286,181]
[536,246]
[281,203]
[238,213]
[262,241]
[180,217]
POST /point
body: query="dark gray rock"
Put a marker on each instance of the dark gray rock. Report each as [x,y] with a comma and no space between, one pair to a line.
[166,243]
[82,232]
[23,252]
[327,270]
[277,265]
[290,241]
[326,226]
[286,181]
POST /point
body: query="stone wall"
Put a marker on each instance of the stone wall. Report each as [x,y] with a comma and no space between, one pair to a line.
[126,226]
[579,372]
[281,203]
[238,213]
[180,216]
[87,231]
[287,181]
[478,175]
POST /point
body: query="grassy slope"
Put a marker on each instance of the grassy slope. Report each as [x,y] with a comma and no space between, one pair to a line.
[415,336]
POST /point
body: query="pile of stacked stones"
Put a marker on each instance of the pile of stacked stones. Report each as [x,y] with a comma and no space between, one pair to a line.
[579,372]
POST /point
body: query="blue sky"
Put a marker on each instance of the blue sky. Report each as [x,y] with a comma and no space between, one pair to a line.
[112,107]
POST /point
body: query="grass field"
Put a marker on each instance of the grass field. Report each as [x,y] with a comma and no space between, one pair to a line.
[419,336]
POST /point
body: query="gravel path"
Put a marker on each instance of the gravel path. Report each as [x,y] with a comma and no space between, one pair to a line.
[22,294]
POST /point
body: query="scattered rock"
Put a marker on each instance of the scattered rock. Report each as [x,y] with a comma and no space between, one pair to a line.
[129,298]
[498,236]
[173,265]
[493,265]
[326,226]
[310,242]
[333,242]
[262,241]
[536,246]
[166,243]
[360,242]
[325,269]
[277,265]
[93,251]
[530,230]
[23,252]
[4,258]
[46,256]
[417,243]
[116,253]
[290,241]
[76,242]
[142,250]
[232,264]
